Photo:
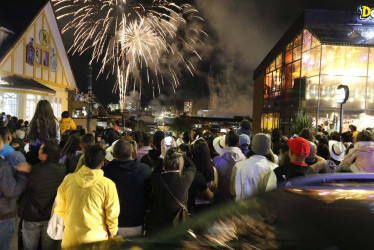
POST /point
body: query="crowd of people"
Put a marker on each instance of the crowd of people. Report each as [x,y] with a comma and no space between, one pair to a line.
[70,187]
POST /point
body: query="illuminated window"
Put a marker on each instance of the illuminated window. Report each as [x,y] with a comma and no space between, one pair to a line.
[307,40]
[10,103]
[272,66]
[279,61]
[311,62]
[297,41]
[344,61]
[297,53]
[288,57]
[30,106]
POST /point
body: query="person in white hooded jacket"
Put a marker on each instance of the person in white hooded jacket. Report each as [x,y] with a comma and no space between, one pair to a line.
[255,174]
[229,155]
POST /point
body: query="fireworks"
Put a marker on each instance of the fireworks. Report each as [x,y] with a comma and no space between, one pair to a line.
[135,40]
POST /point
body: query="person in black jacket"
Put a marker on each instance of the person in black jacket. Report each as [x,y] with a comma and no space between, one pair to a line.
[36,202]
[299,150]
[171,181]
[154,154]
[12,183]
[130,178]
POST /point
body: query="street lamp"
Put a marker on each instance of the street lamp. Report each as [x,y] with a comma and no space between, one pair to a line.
[341,97]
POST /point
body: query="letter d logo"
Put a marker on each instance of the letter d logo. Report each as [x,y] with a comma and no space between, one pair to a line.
[365,12]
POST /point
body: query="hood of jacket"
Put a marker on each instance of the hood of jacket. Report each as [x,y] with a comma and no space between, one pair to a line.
[66,120]
[361,144]
[129,165]
[232,154]
[87,177]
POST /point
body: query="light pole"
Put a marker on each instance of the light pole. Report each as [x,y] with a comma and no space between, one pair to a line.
[342,95]
[89,111]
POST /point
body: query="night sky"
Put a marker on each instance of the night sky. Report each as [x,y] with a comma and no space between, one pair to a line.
[241,33]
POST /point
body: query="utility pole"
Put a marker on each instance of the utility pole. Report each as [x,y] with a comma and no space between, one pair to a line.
[89,111]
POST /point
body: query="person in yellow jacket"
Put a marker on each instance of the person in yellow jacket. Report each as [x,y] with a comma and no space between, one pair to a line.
[88,203]
[66,122]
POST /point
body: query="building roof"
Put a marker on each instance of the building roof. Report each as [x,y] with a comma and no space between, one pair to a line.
[329,27]
[17,82]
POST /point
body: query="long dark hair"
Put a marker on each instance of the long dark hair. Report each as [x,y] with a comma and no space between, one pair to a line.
[201,158]
[43,123]
[72,145]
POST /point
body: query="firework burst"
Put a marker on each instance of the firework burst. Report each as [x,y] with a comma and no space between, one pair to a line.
[134,40]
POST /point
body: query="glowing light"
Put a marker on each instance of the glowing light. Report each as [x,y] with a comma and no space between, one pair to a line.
[134,40]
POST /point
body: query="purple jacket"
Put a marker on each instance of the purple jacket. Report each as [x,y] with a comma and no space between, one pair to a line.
[224,165]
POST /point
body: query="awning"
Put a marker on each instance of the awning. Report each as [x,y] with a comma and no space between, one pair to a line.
[20,83]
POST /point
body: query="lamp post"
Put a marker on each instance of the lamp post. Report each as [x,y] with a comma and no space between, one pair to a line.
[89,111]
[342,95]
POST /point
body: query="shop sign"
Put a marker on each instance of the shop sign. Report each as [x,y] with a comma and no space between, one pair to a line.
[53,61]
[43,38]
[366,12]
[30,52]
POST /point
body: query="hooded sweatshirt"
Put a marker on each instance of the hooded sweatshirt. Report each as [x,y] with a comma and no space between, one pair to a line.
[67,124]
[130,178]
[361,157]
[224,165]
[88,203]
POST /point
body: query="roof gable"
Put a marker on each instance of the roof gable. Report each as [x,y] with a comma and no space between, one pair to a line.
[39,53]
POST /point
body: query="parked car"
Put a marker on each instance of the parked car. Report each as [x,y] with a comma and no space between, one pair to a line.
[317,212]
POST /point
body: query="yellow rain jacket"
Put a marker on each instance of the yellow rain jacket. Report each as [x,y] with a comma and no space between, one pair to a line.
[67,124]
[88,203]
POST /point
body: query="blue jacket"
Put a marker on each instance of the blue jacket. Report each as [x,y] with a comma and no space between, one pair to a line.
[12,183]
[6,150]
[130,178]
[15,158]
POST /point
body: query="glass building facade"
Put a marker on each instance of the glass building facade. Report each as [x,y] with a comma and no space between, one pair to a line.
[302,77]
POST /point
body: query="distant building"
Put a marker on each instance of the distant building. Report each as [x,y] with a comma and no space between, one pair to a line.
[34,66]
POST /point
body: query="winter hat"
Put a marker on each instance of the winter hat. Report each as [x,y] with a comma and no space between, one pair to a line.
[261,144]
[244,139]
[20,134]
[337,150]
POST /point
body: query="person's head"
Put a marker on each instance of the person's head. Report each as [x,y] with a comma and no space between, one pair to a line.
[335,136]
[26,123]
[347,137]
[94,157]
[87,140]
[201,158]
[323,151]
[146,139]
[73,145]
[65,114]
[313,150]
[299,150]
[122,150]
[261,144]
[364,136]
[49,152]
[187,137]
[173,159]
[276,134]
[353,128]
[245,124]
[232,139]
[244,141]
[157,138]
[20,121]
[306,134]
[18,145]
[20,134]
[5,135]
[111,136]
[284,157]
[198,133]
[43,123]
